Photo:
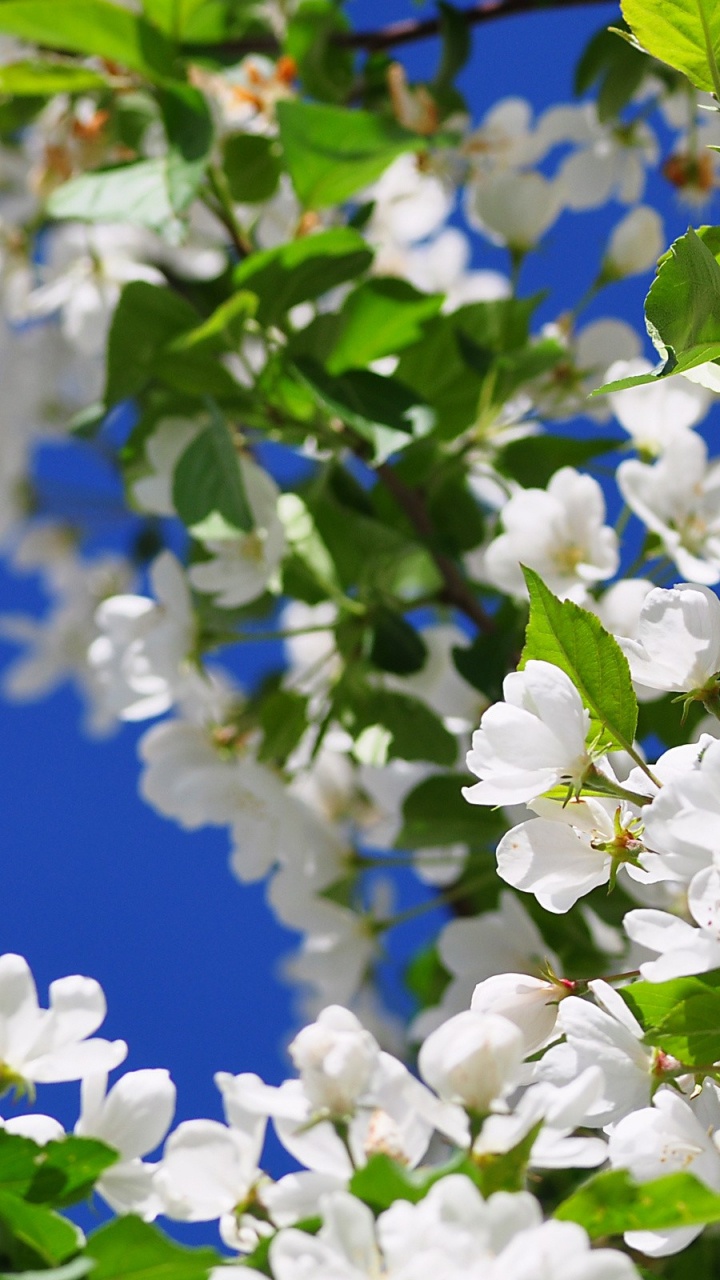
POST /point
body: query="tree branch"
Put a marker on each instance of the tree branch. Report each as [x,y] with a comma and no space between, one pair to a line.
[456,590]
[406,32]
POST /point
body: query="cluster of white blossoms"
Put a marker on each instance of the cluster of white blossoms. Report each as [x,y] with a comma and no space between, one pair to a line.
[350,1102]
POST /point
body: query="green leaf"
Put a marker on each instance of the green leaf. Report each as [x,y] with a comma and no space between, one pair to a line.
[682,310]
[43,79]
[146,319]
[382,1181]
[414,732]
[128,1249]
[92,27]
[74,1270]
[283,719]
[18,1158]
[189,128]
[304,538]
[30,1229]
[617,68]
[379,318]
[395,645]
[683,33]
[435,813]
[575,640]
[208,481]
[611,1203]
[533,460]
[380,409]
[682,1016]
[325,67]
[456,45]
[68,1170]
[332,152]
[137,193]
[222,330]
[302,270]
[252,167]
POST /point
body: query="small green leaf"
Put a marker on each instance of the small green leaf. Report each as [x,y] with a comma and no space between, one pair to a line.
[137,193]
[435,813]
[612,1203]
[395,645]
[128,1249]
[380,409]
[189,128]
[223,329]
[617,68]
[683,33]
[92,27]
[146,320]
[68,1170]
[456,45]
[691,1031]
[575,640]
[324,66]
[682,310]
[208,480]
[379,318]
[44,79]
[652,1002]
[533,460]
[302,270]
[283,720]
[252,167]
[414,732]
[30,1227]
[18,1158]
[332,152]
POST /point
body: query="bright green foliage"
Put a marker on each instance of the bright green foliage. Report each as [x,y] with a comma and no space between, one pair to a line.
[91,27]
[31,79]
[129,1249]
[252,167]
[683,33]
[560,632]
[682,1017]
[682,309]
[612,1203]
[208,483]
[302,270]
[331,152]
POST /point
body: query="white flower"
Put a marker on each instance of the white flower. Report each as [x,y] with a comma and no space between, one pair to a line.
[569,850]
[472,1059]
[668,1137]
[409,205]
[514,209]
[504,140]
[336,1058]
[678,498]
[139,657]
[677,644]
[682,949]
[635,244]
[559,532]
[609,1038]
[241,565]
[682,823]
[443,266]
[532,741]
[608,161]
[531,1003]
[41,1046]
[657,412]
[133,1118]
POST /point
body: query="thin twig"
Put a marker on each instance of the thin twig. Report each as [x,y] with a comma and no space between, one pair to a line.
[400,33]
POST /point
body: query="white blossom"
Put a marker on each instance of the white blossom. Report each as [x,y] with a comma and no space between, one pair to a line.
[635,244]
[133,1118]
[241,563]
[655,413]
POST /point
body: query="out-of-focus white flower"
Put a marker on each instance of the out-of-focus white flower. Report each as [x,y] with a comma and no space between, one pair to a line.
[133,1118]
[606,161]
[655,413]
[532,741]
[336,1058]
[443,266]
[564,391]
[635,244]
[241,565]
[139,657]
[42,1046]
[559,532]
[408,206]
[514,209]
[678,498]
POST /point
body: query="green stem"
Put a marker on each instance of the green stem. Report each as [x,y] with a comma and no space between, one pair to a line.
[219,188]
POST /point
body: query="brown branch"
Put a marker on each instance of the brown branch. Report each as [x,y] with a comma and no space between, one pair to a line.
[400,33]
[456,589]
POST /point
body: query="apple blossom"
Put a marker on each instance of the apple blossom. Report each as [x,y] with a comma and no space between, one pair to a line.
[472,1059]
[635,244]
[133,1117]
